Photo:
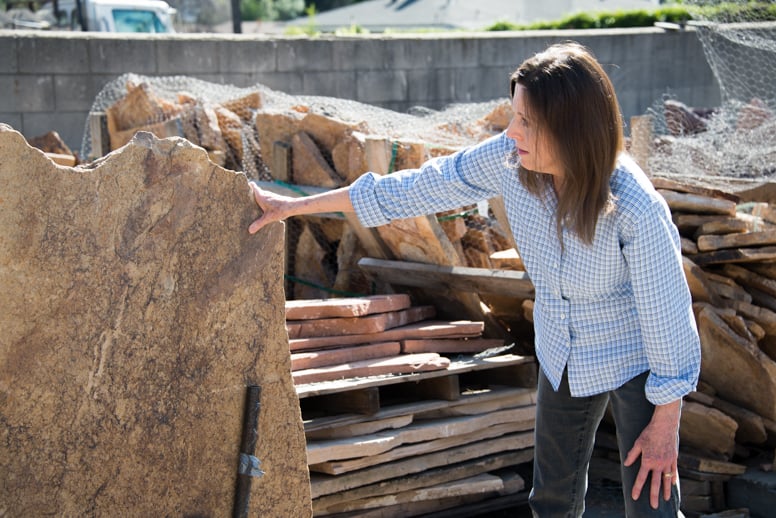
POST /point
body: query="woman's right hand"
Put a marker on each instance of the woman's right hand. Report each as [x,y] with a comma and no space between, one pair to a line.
[274,207]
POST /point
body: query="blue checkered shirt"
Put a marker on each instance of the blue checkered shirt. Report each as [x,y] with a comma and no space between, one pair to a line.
[608,311]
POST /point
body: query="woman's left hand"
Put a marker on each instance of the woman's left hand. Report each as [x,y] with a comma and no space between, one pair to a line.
[658,447]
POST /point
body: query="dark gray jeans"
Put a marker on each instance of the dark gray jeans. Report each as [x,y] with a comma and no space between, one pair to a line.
[565,432]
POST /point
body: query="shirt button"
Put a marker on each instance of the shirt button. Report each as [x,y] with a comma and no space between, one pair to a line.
[563,316]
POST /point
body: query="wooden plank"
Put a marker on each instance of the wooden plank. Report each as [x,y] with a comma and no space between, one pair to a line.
[697,203]
[345,307]
[507,260]
[522,375]
[363,401]
[421,431]
[430,477]
[98,133]
[735,255]
[709,243]
[429,329]
[316,359]
[456,278]
[369,324]
[447,388]
[454,345]
[523,440]
[404,364]
[455,367]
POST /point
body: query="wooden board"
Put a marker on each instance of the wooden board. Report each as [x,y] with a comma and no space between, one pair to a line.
[454,278]
[317,359]
[345,307]
[403,364]
[428,329]
[368,324]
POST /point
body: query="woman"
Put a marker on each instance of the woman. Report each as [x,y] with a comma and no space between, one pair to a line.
[612,314]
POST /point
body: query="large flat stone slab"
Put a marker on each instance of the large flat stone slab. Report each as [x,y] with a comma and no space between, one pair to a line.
[135,311]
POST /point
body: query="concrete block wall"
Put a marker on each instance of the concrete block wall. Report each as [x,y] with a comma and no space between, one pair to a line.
[49,80]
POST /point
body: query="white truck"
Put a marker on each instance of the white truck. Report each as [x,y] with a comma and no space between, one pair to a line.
[149,16]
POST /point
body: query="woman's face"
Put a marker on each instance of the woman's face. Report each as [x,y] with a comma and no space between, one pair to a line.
[533,146]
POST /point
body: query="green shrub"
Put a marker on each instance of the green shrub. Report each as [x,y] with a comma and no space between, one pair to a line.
[677,13]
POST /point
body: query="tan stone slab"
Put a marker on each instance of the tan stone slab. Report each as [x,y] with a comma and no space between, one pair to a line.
[369,324]
[673,185]
[403,364]
[315,359]
[454,329]
[487,399]
[483,483]
[707,429]
[345,307]
[426,478]
[309,166]
[470,364]
[426,430]
[737,369]
[453,345]
[708,243]
[136,309]
[698,203]
[322,484]
[356,429]
[524,439]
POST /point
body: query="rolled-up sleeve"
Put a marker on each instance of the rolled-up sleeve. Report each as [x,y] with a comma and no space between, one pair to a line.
[652,249]
[440,184]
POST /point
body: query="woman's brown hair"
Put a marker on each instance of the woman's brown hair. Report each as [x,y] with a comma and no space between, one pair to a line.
[573,102]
